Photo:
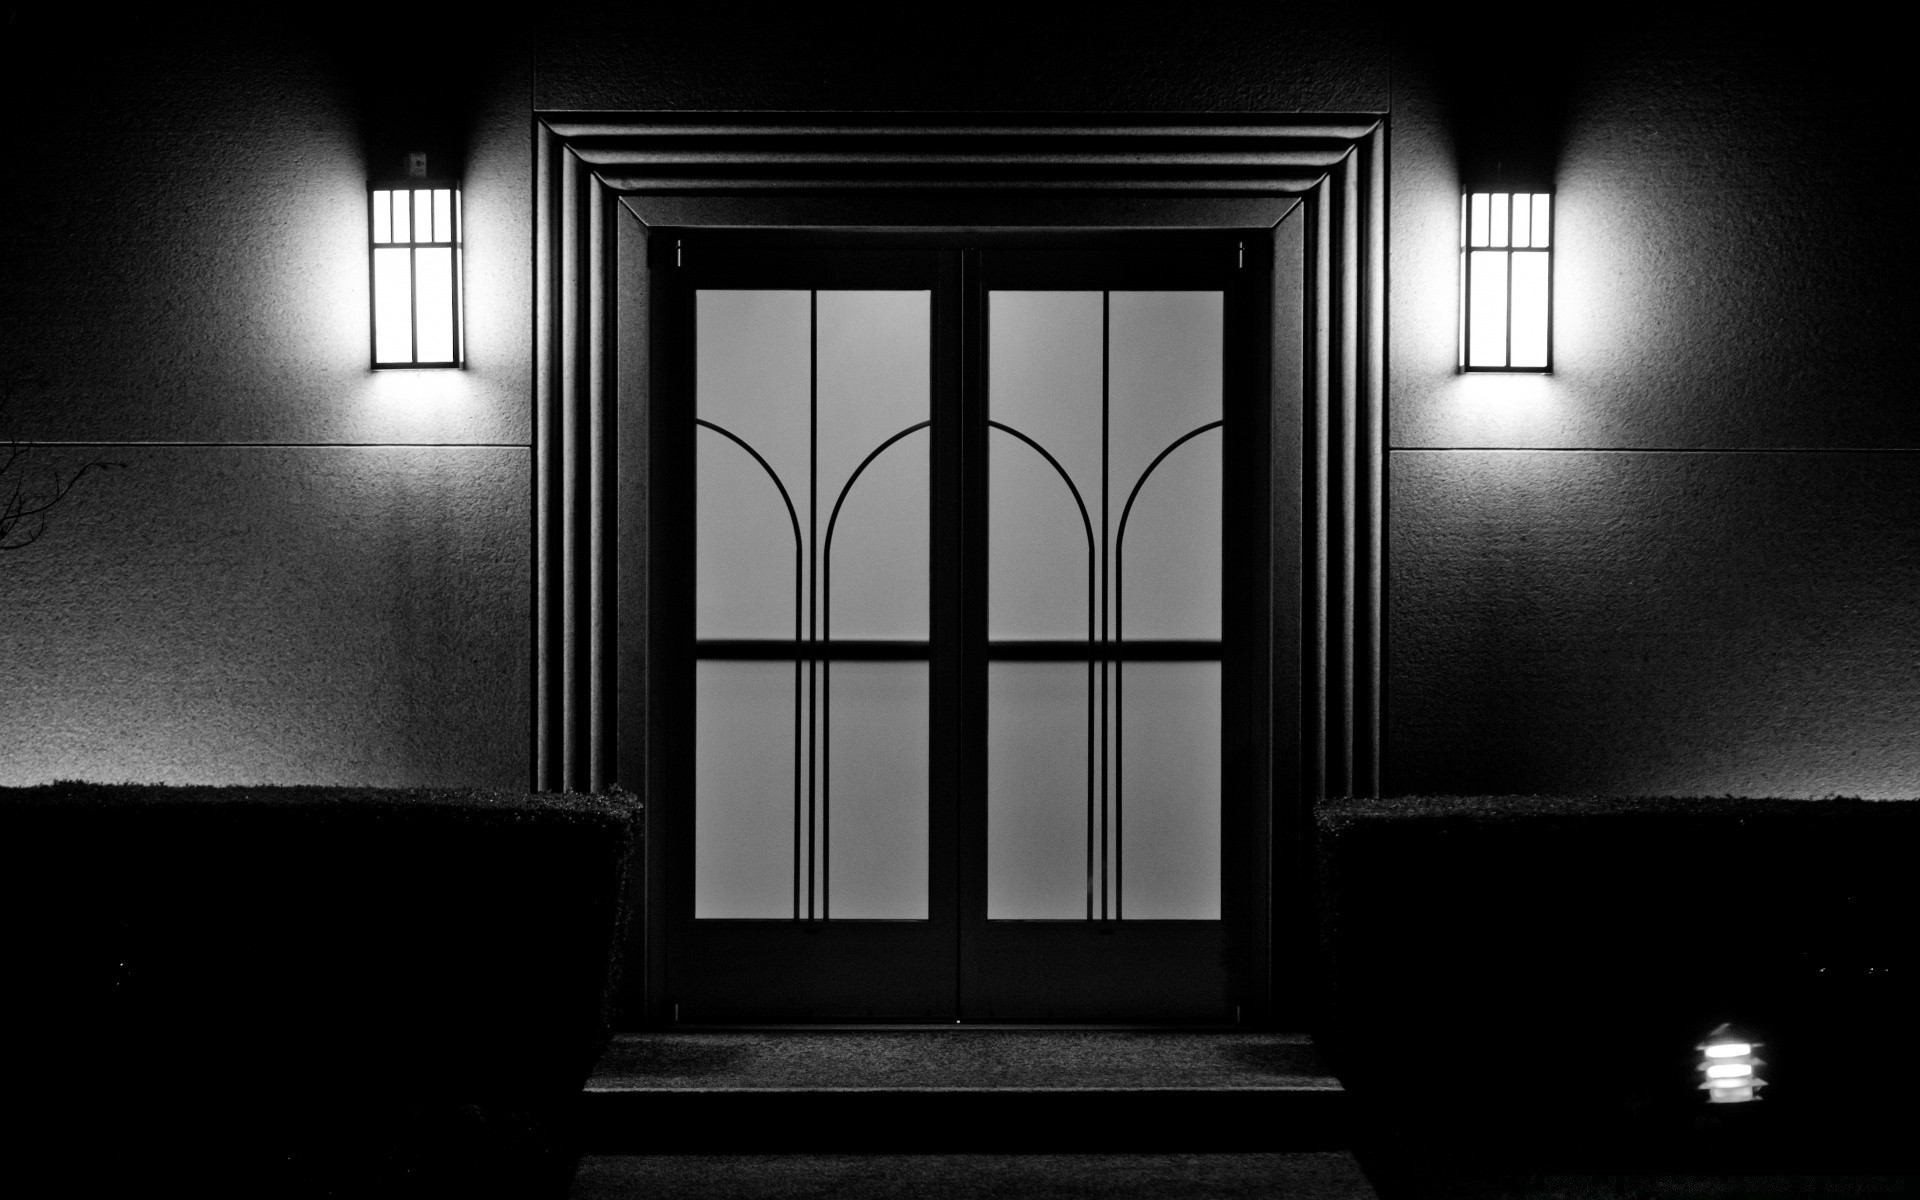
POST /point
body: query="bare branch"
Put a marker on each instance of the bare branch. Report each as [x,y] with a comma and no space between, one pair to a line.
[23,506]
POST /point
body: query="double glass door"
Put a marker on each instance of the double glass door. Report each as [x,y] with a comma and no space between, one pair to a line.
[955,583]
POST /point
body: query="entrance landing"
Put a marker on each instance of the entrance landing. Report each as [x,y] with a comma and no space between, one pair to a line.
[963,1090]
[965,1058]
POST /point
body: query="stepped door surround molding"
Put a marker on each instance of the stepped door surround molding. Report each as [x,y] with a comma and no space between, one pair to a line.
[1313,185]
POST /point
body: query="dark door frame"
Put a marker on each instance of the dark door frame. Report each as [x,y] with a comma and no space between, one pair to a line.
[604,181]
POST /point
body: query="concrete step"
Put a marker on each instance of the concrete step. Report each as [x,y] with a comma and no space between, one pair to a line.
[961,1090]
[1319,1175]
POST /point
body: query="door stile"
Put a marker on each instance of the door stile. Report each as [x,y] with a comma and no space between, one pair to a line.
[947,668]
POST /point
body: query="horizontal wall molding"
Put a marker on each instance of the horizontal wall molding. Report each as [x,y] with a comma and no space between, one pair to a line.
[602,178]
[28,445]
[1653,449]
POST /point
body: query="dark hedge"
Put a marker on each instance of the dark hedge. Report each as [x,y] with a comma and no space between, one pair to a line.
[308,991]
[1530,974]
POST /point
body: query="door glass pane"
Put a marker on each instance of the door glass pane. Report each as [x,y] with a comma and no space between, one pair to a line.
[1166,383]
[1037,799]
[1169,790]
[877,804]
[874,387]
[744,790]
[1104,529]
[812,526]
[752,391]
[1043,395]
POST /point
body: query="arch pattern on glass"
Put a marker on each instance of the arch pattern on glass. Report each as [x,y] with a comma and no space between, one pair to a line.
[1091,403]
[821,379]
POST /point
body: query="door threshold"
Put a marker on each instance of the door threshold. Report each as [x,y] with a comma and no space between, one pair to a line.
[972,1027]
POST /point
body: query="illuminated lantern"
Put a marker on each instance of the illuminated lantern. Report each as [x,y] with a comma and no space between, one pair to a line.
[1506,281]
[1728,1062]
[414,263]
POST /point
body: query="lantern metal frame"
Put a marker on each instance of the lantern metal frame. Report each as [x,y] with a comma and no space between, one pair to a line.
[456,243]
[1508,251]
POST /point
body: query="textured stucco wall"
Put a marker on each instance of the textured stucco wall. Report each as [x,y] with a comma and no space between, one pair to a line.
[1015,57]
[1686,561]
[306,572]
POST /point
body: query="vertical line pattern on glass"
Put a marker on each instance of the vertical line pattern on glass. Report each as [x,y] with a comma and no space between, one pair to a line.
[813,587]
[416,276]
[1034,382]
[1106,465]
[1506,281]
[755,346]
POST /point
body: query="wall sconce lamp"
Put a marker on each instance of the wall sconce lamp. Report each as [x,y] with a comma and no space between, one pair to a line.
[1506,281]
[414,263]
[1727,1060]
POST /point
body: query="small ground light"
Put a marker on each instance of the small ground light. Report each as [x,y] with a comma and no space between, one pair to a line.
[414,259]
[1506,281]
[1728,1062]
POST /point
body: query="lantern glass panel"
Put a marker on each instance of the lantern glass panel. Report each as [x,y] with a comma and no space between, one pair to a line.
[417,275]
[1529,310]
[1506,282]
[435,303]
[1487,309]
[393,305]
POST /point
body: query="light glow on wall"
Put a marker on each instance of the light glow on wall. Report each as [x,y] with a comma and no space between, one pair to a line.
[1506,281]
[417,275]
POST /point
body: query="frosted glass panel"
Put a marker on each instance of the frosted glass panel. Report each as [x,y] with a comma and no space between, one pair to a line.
[877,802]
[747,566]
[812,525]
[1487,309]
[1036,791]
[383,216]
[1169,790]
[1041,562]
[1118,397]
[1043,381]
[755,388]
[434,304]
[751,380]
[1529,310]
[1166,381]
[393,305]
[874,384]
[743,840]
[443,215]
